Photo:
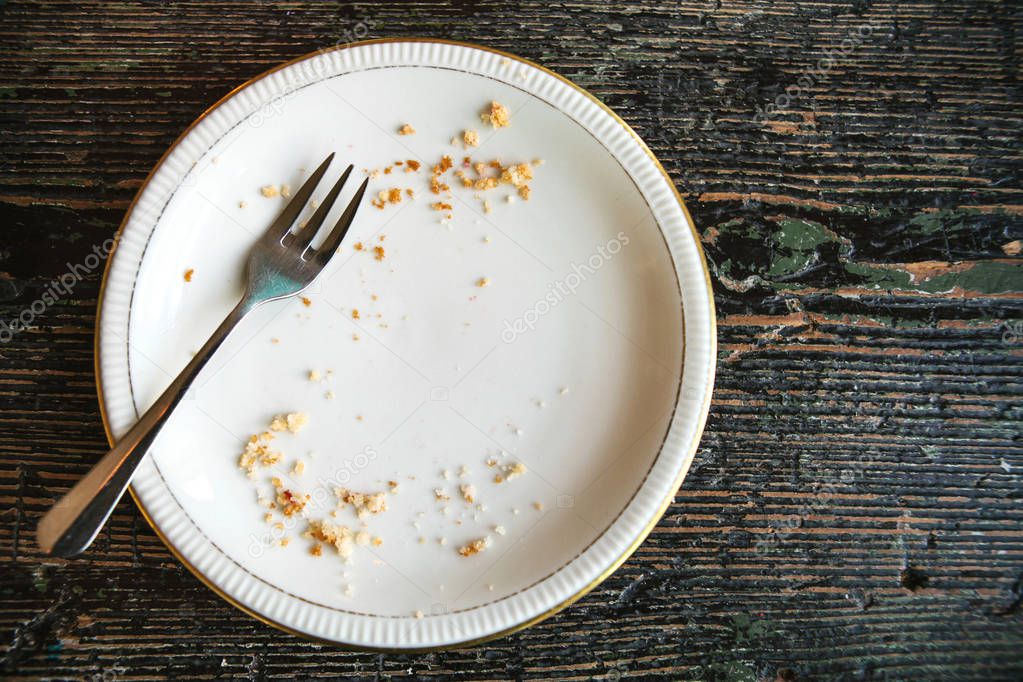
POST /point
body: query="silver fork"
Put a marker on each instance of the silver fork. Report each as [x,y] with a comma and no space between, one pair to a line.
[281,264]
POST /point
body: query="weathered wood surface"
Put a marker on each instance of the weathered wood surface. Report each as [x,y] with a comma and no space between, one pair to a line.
[855,509]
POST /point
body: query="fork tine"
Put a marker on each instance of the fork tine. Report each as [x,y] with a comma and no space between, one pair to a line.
[333,240]
[300,240]
[280,227]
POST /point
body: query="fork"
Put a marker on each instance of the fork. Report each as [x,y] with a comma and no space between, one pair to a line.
[281,264]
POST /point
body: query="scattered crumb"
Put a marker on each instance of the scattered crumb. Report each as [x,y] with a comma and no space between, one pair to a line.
[471,138]
[563,390]
[510,471]
[496,115]
[299,468]
[314,375]
[292,422]
[407,129]
[500,530]
[365,504]
[417,614]
[329,395]
[487,208]
[483,282]
[188,274]
[355,313]
[440,495]
[316,550]
[538,506]
[269,191]
[285,191]
[378,252]
[474,547]
[242,204]
[468,492]
[306,302]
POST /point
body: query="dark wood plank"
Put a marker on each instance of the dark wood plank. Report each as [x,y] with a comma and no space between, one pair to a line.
[855,509]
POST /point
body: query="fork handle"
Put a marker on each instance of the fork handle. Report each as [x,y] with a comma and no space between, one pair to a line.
[71,525]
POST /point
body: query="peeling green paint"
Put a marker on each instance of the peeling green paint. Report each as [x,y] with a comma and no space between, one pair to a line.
[984,277]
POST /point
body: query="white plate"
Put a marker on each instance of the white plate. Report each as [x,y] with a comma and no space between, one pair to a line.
[589,357]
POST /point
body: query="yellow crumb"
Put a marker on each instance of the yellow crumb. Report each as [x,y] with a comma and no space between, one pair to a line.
[496,115]
[407,129]
[269,191]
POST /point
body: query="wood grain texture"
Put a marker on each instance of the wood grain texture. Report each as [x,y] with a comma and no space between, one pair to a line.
[855,508]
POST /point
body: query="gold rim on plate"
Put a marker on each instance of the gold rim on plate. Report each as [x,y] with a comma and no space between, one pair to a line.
[702,417]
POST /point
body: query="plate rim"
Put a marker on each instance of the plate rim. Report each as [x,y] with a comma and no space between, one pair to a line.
[640,537]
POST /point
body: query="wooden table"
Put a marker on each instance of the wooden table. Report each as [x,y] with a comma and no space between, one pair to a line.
[854,167]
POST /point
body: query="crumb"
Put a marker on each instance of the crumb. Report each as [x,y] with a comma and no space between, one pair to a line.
[284,542]
[285,191]
[314,375]
[306,302]
[440,495]
[496,115]
[359,246]
[417,614]
[188,274]
[349,590]
[274,340]
[483,282]
[490,587]
[446,474]
[468,492]
[510,471]
[258,453]
[500,530]
[440,206]
[524,192]
[269,191]
[463,471]
[538,506]
[242,204]
[474,547]
[329,395]
[563,390]
[411,166]
[510,199]
[299,468]
[316,550]
[355,337]
[442,541]
[292,422]
[394,195]
[355,313]
[407,129]
[377,541]
[486,206]
[471,138]
[290,502]
[393,485]
[365,504]
[378,252]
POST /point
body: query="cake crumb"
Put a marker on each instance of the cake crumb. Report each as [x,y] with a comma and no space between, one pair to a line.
[474,547]
[417,614]
[407,129]
[299,468]
[355,313]
[378,252]
[292,422]
[496,115]
[314,375]
[306,302]
[285,191]
[269,191]
[365,504]
[468,492]
[510,471]
[188,274]
[538,506]
[242,204]
[483,282]
[500,530]
[471,138]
